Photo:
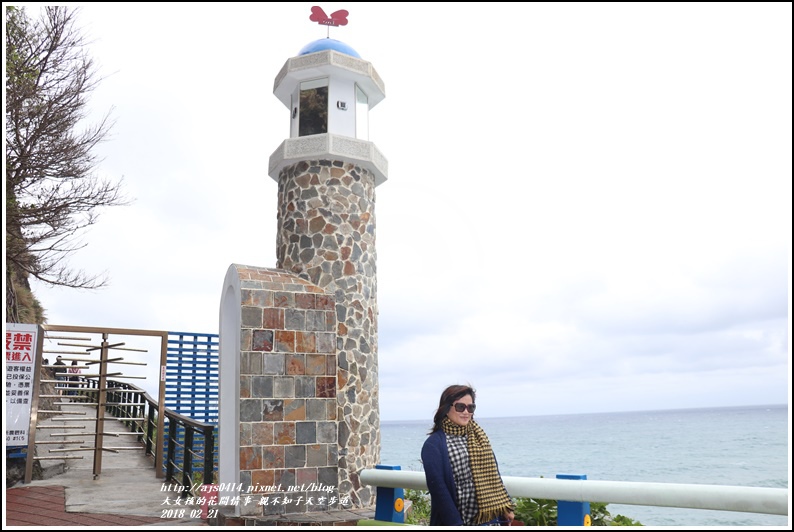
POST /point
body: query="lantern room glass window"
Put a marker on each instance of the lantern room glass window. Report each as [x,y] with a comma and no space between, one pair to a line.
[313,107]
[362,115]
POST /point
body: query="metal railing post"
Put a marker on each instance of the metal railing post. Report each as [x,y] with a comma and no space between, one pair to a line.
[209,454]
[171,454]
[187,460]
[151,425]
[573,513]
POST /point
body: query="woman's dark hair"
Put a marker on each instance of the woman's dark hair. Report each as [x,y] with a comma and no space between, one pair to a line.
[448,397]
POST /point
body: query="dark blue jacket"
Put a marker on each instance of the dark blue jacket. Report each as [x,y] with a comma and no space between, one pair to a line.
[440,482]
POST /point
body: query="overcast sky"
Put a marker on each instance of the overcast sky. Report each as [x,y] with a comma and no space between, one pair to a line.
[588,206]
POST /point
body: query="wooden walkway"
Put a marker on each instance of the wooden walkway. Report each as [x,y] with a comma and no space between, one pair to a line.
[127,493]
[46,506]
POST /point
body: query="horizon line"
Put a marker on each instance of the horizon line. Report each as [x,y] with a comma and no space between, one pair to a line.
[767,405]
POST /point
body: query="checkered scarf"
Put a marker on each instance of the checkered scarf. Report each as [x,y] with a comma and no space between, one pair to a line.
[464,482]
[492,498]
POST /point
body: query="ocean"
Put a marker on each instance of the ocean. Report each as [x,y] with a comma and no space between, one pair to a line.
[731,446]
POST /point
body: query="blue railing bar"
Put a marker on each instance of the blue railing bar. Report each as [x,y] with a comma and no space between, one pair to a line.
[193,348]
[187,382]
[185,378]
[772,501]
[193,406]
[198,416]
[198,389]
[205,398]
[174,380]
[203,404]
[202,386]
[198,378]
[174,376]
[203,419]
[198,410]
[210,342]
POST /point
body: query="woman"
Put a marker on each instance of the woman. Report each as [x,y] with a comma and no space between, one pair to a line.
[460,467]
[74,370]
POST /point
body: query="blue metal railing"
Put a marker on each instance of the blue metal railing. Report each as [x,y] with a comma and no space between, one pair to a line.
[191,380]
[191,391]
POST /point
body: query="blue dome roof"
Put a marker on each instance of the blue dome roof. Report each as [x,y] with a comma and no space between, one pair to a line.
[328,44]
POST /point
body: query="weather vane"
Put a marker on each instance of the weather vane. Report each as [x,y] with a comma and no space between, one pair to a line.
[337,18]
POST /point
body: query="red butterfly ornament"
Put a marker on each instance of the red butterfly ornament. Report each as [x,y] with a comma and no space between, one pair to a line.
[337,18]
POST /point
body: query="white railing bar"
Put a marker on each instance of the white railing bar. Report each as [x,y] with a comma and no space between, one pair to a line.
[772,501]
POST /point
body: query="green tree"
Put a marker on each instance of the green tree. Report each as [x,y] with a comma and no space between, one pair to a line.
[52,192]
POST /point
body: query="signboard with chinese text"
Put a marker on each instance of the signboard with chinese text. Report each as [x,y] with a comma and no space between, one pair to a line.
[21,342]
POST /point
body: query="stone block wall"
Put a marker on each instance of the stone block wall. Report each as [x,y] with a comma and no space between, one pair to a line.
[288,395]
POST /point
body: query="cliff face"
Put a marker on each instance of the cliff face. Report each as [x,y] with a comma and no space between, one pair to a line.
[22,306]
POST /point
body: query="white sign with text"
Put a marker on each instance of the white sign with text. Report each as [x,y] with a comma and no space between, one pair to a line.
[20,364]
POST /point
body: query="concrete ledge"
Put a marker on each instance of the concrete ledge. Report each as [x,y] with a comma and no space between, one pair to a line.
[332,147]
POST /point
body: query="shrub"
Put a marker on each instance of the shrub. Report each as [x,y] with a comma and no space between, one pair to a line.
[420,507]
[533,512]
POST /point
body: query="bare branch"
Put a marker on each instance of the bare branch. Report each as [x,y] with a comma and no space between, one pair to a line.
[52,191]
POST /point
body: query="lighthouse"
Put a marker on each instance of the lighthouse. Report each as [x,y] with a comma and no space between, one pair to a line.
[327,172]
[299,412]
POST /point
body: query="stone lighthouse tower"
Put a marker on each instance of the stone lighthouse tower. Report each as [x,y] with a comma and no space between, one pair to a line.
[327,172]
[299,413]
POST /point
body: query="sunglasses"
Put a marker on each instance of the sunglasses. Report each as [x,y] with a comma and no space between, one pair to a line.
[460,407]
